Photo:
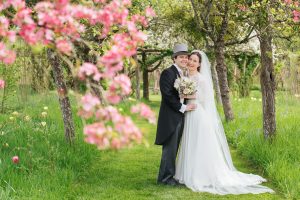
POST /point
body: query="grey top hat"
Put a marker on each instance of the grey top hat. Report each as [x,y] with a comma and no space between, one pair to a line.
[180,49]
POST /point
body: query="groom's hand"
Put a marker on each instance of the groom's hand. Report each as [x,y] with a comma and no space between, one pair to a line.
[191,107]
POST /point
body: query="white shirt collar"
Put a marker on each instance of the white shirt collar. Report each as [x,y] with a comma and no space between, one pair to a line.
[178,68]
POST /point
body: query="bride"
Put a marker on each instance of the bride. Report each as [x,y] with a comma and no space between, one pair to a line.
[204,162]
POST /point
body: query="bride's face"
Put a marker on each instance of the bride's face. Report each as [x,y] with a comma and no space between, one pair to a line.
[193,62]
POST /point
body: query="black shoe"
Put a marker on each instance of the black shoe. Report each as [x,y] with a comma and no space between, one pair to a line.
[171,182]
[181,185]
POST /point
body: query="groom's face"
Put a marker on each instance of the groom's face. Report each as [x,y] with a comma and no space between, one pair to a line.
[181,61]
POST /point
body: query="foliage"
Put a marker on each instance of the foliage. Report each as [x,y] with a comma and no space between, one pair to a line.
[246,65]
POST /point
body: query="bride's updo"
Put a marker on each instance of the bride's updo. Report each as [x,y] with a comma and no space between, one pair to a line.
[199,56]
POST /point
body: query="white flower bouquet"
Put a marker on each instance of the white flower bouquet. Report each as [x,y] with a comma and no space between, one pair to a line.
[186,87]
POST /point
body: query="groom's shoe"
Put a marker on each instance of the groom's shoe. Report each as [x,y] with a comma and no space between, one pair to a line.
[171,182]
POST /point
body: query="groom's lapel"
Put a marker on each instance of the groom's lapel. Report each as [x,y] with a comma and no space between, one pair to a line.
[175,70]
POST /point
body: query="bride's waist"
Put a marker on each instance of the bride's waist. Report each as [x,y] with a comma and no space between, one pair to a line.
[192,101]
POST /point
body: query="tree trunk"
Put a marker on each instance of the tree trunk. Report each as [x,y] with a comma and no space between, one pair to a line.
[137,79]
[64,101]
[145,83]
[216,82]
[267,82]
[138,84]
[156,81]
[222,76]
[145,77]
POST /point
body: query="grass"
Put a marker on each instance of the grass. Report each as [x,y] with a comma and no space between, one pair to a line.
[50,169]
[280,158]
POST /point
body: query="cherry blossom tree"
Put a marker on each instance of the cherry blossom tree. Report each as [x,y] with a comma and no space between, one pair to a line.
[57,25]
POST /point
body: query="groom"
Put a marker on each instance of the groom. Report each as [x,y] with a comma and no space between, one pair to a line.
[171,115]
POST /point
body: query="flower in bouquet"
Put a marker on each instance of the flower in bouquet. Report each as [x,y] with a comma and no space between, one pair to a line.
[185,86]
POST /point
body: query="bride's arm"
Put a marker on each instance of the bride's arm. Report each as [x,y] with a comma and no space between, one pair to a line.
[203,94]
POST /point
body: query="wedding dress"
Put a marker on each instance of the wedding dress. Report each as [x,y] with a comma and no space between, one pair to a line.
[204,162]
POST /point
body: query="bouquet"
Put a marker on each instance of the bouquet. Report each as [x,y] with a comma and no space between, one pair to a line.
[186,87]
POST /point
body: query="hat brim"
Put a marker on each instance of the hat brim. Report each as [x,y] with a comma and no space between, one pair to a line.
[180,53]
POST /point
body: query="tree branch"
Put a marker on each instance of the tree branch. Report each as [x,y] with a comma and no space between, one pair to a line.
[154,68]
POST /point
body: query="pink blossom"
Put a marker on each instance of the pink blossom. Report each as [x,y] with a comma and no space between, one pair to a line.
[95,129]
[11,36]
[140,19]
[15,159]
[150,12]
[109,113]
[27,32]
[2,84]
[4,24]
[116,143]
[88,69]
[10,57]
[112,57]
[288,1]
[62,3]
[17,4]
[64,46]
[89,102]
[296,15]
[120,86]
[85,114]
[23,16]
[123,82]
[144,111]
[113,98]
[6,56]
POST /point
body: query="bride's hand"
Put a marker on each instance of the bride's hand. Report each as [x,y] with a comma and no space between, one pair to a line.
[191,107]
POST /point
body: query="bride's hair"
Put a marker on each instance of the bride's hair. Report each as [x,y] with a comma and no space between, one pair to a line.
[199,56]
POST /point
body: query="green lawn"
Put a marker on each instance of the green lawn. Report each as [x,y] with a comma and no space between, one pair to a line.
[50,169]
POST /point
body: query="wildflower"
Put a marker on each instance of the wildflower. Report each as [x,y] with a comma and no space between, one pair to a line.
[27,118]
[15,159]
[15,113]
[43,123]
[44,114]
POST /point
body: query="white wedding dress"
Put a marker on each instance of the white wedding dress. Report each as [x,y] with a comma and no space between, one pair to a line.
[204,162]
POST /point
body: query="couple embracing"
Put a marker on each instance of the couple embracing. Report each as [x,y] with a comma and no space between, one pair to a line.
[195,152]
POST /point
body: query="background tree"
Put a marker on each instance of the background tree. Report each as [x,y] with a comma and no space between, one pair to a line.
[267,18]
[150,61]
